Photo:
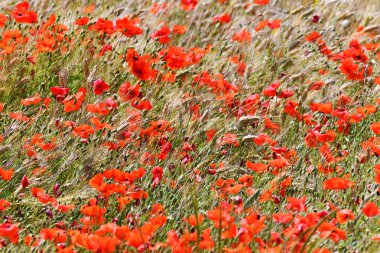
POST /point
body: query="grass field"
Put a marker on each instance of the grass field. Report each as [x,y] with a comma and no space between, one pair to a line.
[190,126]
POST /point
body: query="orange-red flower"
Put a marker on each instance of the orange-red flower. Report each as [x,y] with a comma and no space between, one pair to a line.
[22,14]
[337,183]
[343,216]
[370,209]
[10,231]
[100,86]
[296,204]
[188,4]
[84,131]
[261,2]
[375,127]
[4,205]
[6,175]
[127,26]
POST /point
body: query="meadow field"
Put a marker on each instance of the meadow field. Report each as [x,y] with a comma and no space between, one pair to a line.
[181,126]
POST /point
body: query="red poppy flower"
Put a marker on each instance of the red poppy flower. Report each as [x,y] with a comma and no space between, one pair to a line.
[103,26]
[128,26]
[343,216]
[328,230]
[179,29]
[42,196]
[22,14]
[143,105]
[228,139]
[83,131]
[261,25]
[337,183]
[296,204]
[3,19]
[140,66]
[258,167]
[317,85]
[370,209]
[100,86]
[271,89]
[275,23]
[262,139]
[210,134]
[31,101]
[261,2]
[9,231]
[82,21]
[377,80]
[59,92]
[224,18]
[157,173]
[53,234]
[282,217]
[104,49]
[162,35]
[6,175]
[188,4]
[279,163]
[4,205]
[375,127]
[285,94]
[313,36]
[321,107]
[128,92]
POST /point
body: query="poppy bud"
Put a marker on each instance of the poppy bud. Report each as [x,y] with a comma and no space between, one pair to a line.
[24,181]
[74,224]
[31,59]
[276,199]
[143,247]
[211,171]
[56,189]
[49,213]
[363,158]
[186,159]
[3,243]
[58,123]
[60,225]
[323,213]
[315,19]
[238,200]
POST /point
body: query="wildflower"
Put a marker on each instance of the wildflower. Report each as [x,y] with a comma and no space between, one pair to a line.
[337,183]
[128,26]
[100,86]
[370,209]
[22,14]
[188,4]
